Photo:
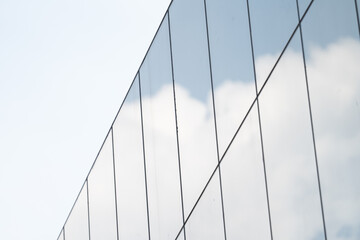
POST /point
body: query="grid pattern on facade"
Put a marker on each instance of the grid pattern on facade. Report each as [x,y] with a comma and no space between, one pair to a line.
[242,122]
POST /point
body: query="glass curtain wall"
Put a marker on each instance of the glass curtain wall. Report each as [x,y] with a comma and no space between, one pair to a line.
[242,122]
[332,56]
[160,138]
[198,146]
[77,225]
[129,168]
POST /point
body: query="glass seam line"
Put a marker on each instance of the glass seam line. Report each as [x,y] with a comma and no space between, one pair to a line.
[147,51]
[122,103]
[259,119]
[143,147]
[242,122]
[215,122]
[311,123]
[63,233]
[82,186]
[115,192]
[88,205]
[176,125]
[87,176]
[357,16]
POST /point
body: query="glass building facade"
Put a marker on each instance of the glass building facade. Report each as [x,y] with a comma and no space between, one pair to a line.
[242,122]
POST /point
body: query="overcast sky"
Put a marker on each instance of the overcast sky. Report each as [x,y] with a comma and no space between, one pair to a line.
[65,67]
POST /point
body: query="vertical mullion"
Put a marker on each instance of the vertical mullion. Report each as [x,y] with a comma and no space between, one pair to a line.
[88,206]
[176,124]
[143,146]
[116,209]
[311,122]
[214,116]
[259,119]
[357,15]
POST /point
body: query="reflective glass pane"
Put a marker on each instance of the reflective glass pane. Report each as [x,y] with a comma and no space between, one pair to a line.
[244,191]
[129,167]
[194,101]
[61,236]
[341,22]
[232,67]
[160,138]
[102,194]
[289,155]
[303,5]
[77,227]
[181,235]
[246,211]
[332,48]
[272,23]
[205,221]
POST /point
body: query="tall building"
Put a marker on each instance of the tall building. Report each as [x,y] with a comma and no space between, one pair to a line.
[242,122]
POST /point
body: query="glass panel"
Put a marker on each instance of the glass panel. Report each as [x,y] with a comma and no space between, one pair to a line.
[193,100]
[246,211]
[205,221]
[303,5]
[244,192]
[61,236]
[272,24]
[77,227]
[231,65]
[290,160]
[181,235]
[102,195]
[129,166]
[340,20]
[331,41]
[160,138]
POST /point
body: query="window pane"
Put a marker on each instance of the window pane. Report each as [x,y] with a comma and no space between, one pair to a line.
[232,66]
[206,220]
[181,235]
[77,227]
[129,166]
[160,138]
[244,191]
[332,47]
[246,211]
[272,24]
[194,104]
[288,146]
[341,22]
[303,5]
[61,236]
[102,195]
